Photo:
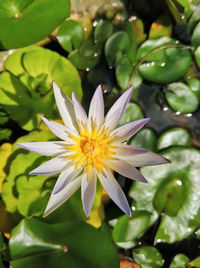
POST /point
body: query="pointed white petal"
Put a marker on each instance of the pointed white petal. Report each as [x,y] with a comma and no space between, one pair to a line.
[126,169]
[88,191]
[65,107]
[146,159]
[66,177]
[115,192]
[58,129]
[48,148]
[96,110]
[56,200]
[80,113]
[112,121]
[128,150]
[52,166]
[126,131]
[118,108]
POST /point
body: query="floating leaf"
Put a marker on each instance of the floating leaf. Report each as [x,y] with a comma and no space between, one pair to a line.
[145,138]
[132,113]
[128,229]
[181,98]
[5,133]
[165,65]
[179,206]
[194,85]
[138,28]
[180,260]
[27,92]
[174,136]
[195,263]
[116,46]
[27,22]
[75,244]
[195,36]
[103,30]
[70,35]
[148,257]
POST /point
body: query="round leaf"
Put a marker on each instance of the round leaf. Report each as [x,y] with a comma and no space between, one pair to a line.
[184,170]
[165,65]
[180,260]
[70,35]
[174,136]
[148,257]
[27,22]
[69,244]
[181,98]
[132,113]
[103,30]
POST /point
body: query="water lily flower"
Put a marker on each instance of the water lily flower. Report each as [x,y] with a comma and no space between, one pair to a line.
[92,147]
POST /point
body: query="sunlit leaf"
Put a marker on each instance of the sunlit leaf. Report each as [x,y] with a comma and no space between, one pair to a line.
[148,257]
[27,22]
[180,260]
[174,136]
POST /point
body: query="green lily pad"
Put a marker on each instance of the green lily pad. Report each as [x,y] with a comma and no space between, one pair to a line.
[173,189]
[181,98]
[27,22]
[132,113]
[87,56]
[148,257]
[116,46]
[26,93]
[174,136]
[194,85]
[103,30]
[145,138]
[197,56]
[128,229]
[180,260]
[123,73]
[71,244]
[70,35]
[165,65]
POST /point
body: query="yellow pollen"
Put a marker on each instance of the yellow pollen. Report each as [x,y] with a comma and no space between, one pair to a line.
[91,149]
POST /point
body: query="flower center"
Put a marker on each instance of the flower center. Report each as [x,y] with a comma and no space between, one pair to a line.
[91,149]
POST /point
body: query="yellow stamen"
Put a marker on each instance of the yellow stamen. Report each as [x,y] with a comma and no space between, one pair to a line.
[92,147]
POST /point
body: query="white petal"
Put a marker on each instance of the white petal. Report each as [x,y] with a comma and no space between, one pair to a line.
[88,191]
[116,111]
[66,177]
[96,110]
[58,129]
[128,150]
[48,148]
[57,200]
[65,107]
[115,192]
[52,166]
[146,159]
[80,113]
[126,131]
[112,121]
[126,169]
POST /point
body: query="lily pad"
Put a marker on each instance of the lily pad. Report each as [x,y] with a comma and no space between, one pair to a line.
[148,257]
[132,113]
[174,136]
[27,22]
[145,138]
[194,85]
[25,91]
[70,35]
[165,65]
[173,189]
[181,98]
[103,30]
[71,244]
[128,229]
[161,27]
[180,260]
